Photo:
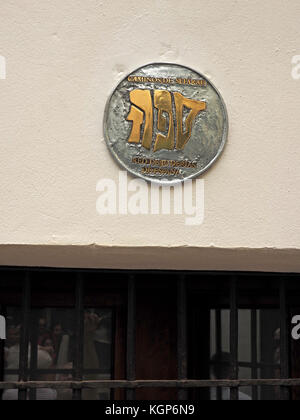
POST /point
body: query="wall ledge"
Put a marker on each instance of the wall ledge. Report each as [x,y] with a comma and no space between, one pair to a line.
[152,258]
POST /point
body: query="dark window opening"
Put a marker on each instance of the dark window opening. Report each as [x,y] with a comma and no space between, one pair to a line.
[99,334]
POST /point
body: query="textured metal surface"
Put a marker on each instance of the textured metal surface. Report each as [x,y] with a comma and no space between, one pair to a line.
[179,136]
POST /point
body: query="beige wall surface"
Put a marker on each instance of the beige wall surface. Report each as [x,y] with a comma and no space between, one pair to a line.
[64,58]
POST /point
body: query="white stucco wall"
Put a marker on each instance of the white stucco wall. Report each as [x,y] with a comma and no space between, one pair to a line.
[63,59]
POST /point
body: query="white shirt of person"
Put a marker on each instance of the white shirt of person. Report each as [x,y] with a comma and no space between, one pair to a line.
[226,395]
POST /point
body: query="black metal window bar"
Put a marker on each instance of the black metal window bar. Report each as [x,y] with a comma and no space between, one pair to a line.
[182,384]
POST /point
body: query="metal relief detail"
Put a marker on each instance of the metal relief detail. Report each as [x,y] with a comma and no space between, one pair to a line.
[165,123]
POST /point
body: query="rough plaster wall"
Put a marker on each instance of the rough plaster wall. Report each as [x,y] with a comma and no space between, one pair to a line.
[63,60]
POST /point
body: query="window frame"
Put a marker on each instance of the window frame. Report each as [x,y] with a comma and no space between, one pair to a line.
[182,384]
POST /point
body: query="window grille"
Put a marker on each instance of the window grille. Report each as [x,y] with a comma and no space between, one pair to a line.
[188,285]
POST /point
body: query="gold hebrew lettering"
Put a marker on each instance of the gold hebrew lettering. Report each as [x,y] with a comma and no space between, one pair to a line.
[141,109]
[163,102]
[195,106]
[137,116]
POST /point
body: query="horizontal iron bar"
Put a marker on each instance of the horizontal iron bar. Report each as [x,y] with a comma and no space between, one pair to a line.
[150,384]
[141,271]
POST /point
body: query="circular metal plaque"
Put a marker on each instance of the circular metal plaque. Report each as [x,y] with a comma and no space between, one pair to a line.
[165,123]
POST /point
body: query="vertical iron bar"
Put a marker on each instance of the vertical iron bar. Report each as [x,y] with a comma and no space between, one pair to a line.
[79,346]
[113,351]
[234,340]
[24,338]
[219,344]
[218,331]
[33,353]
[131,336]
[284,339]
[182,334]
[254,360]
[2,350]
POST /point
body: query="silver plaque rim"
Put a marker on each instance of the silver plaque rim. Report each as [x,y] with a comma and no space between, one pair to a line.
[166,181]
